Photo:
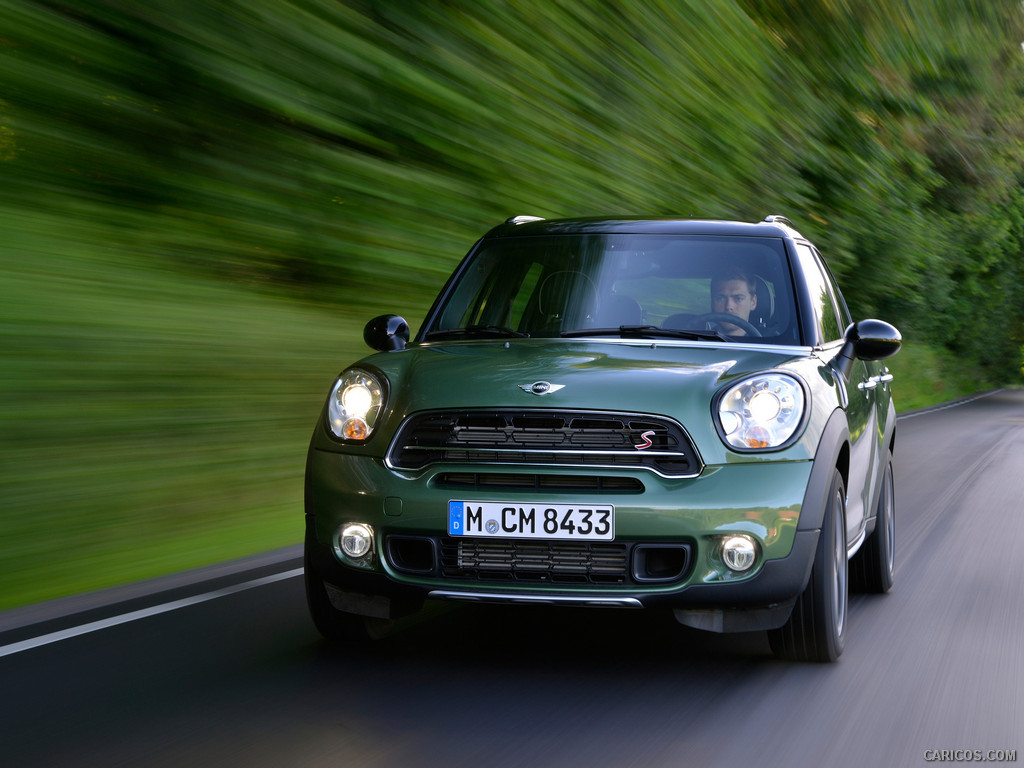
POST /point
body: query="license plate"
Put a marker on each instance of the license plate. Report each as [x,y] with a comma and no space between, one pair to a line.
[592,522]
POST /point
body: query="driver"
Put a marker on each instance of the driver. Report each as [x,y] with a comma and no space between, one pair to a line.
[733,292]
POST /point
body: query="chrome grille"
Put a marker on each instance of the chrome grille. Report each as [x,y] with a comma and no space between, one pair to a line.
[551,438]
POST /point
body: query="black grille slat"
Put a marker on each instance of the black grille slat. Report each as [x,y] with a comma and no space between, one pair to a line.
[544,561]
[552,438]
[478,437]
[473,560]
[601,439]
[510,482]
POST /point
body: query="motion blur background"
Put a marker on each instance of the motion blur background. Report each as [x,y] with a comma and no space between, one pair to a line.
[202,202]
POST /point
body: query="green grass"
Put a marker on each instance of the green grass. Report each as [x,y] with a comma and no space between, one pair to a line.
[924,376]
[150,421]
[153,420]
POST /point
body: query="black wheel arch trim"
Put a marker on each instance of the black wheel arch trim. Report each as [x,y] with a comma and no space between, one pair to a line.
[832,453]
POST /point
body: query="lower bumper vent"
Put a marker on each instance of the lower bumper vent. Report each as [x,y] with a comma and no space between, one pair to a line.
[519,561]
[539,562]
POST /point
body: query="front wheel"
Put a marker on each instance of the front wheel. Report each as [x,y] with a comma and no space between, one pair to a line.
[816,630]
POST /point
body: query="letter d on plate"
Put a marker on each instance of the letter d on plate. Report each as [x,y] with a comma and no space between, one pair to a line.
[455,514]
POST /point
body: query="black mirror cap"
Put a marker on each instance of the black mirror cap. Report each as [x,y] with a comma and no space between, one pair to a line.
[873,339]
[867,340]
[386,333]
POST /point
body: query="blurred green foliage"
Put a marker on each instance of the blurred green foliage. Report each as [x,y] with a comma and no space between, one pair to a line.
[201,202]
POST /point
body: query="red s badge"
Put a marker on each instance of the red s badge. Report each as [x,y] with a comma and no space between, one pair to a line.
[646,440]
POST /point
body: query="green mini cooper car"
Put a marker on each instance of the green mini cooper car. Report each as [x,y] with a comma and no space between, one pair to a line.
[635,413]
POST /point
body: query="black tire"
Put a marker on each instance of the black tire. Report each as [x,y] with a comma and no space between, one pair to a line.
[816,630]
[872,569]
[337,626]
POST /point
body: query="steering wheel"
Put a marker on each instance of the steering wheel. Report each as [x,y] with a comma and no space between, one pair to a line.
[725,317]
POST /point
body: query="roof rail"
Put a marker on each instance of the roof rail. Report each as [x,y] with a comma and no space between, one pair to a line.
[777,219]
[517,220]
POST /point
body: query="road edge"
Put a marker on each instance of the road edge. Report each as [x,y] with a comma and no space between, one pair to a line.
[158,588]
[950,404]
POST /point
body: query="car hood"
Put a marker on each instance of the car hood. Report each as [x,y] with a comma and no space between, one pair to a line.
[675,379]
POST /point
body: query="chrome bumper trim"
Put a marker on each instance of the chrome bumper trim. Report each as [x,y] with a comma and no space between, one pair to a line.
[504,597]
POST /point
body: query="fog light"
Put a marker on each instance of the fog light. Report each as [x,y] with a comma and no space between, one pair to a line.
[739,553]
[356,540]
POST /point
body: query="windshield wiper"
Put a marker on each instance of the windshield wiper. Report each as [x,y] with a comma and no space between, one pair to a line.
[496,331]
[647,332]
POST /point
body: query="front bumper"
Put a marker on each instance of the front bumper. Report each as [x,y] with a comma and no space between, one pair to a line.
[762,500]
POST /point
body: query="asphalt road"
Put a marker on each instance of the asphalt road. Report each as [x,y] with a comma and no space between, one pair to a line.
[242,678]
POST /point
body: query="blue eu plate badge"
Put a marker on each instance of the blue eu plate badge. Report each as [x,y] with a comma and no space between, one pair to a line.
[455,518]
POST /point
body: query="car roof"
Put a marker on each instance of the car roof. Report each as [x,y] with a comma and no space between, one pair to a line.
[519,226]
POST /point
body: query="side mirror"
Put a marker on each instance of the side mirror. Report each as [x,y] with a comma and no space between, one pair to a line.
[386,333]
[868,340]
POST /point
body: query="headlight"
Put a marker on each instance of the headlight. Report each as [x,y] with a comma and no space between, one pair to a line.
[762,412]
[354,405]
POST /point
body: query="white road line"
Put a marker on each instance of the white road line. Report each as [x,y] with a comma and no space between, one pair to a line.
[113,621]
[944,407]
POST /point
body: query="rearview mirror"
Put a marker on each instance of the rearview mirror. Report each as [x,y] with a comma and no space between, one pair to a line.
[868,340]
[386,333]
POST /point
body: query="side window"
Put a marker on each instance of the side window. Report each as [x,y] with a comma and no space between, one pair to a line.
[840,302]
[823,301]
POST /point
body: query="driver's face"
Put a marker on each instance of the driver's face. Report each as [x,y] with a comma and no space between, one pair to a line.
[733,297]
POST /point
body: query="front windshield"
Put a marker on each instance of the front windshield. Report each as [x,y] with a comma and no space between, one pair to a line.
[659,286]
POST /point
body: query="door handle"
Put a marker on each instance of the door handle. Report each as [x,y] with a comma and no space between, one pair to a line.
[874,381]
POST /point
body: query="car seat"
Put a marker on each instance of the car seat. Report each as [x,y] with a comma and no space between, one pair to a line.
[764,313]
[617,309]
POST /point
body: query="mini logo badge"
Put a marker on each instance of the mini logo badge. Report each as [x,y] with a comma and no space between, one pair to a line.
[647,442]
[541,387]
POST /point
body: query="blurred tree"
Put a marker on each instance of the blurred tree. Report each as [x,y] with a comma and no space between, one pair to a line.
[913,128]
[337,146]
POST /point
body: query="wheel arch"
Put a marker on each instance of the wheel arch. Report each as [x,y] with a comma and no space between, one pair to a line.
[833,453]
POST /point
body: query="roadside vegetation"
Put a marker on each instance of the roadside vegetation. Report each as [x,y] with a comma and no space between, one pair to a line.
[202,203]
